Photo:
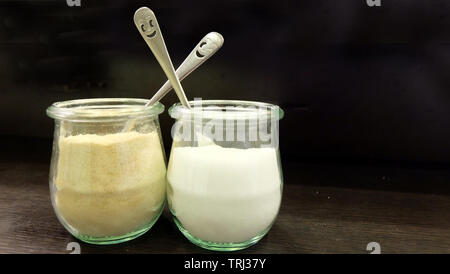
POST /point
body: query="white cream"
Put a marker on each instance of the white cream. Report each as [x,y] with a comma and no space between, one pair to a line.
[224,195]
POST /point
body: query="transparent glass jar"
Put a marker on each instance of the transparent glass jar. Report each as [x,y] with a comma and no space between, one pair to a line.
[108,168]
[224,173]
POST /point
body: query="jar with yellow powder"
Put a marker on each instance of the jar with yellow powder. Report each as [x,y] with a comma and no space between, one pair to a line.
[107,175]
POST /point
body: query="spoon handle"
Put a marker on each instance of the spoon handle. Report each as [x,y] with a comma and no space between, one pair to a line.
[146,23]
[206,48]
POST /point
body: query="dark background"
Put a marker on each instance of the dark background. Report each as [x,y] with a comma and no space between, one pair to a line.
[360,86]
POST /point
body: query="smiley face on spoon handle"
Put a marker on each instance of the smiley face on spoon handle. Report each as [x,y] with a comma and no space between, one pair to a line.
[206,48]
[146,23]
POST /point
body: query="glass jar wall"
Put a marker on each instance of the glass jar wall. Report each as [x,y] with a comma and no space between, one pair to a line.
[107,175]
[224,173]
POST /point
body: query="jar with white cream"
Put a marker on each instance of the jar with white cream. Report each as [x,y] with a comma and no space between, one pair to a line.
[107,175]
[224,173]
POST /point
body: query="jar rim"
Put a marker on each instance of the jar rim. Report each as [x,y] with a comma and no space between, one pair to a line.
[103,109]
[226,109]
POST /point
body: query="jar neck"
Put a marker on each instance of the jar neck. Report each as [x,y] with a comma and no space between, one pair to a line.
[103,110]
[228,110]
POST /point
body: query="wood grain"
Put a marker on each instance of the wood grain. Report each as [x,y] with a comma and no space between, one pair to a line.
[313,219]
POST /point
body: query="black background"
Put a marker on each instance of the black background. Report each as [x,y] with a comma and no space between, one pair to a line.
[359,84]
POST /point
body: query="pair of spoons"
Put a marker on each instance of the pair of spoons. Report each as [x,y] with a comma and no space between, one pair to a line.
[148,27]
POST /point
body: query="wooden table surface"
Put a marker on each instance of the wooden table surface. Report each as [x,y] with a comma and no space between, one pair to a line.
[312,219]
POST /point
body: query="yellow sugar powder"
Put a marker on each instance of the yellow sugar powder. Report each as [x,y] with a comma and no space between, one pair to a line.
[110,185]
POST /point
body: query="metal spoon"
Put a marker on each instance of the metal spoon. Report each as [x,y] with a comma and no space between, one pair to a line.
[148,27]
[206,48]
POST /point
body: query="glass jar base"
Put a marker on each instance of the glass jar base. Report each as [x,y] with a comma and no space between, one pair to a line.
[118,239]
[114,239]
[219,246]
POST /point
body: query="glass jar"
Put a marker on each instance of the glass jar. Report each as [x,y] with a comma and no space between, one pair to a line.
[108,168]
[224,173]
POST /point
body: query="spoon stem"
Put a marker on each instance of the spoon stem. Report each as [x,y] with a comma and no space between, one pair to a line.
[206,48]
[148,27]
